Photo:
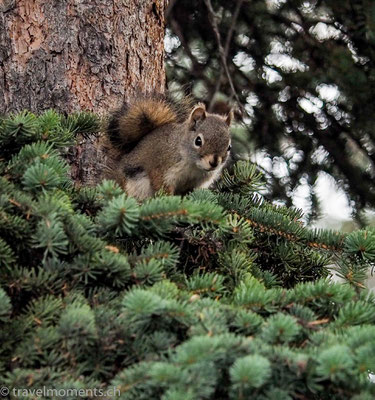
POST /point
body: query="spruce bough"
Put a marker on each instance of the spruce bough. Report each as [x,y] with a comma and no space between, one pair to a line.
[217,295]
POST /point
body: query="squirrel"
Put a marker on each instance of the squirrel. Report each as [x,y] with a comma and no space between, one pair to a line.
[163,144]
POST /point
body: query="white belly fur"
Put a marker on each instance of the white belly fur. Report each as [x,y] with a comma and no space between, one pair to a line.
[139,187]
[185,177]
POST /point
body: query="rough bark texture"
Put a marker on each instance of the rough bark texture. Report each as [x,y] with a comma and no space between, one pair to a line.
[76,55]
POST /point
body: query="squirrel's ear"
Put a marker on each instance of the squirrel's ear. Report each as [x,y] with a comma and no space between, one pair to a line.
[229,118]
[197,115]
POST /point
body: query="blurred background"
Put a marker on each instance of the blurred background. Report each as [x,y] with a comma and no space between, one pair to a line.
[300,76]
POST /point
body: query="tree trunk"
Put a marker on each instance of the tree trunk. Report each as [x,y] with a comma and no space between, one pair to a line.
[75,55]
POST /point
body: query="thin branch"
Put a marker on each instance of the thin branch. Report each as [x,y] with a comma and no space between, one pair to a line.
[177,29]
[215,28]
[231,29]
[226,50]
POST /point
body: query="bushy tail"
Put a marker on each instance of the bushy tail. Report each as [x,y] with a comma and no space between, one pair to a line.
[140,116]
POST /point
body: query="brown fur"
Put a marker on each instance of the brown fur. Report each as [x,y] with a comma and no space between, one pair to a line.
[165,153]
[156,112]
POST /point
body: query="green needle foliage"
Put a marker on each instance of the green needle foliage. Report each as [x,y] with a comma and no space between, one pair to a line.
[217,295]
[301,74]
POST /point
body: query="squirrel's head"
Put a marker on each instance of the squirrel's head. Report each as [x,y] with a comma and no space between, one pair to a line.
[209,138]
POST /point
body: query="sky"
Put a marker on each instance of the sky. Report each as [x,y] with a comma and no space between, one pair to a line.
[335,208]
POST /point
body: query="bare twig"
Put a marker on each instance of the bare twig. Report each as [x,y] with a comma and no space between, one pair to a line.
[222,52]
[226,50]
[176,27]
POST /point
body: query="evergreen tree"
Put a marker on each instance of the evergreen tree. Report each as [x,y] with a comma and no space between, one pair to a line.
[215,295]
[301,73]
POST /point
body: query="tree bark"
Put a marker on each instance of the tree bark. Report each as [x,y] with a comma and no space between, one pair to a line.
[74,55]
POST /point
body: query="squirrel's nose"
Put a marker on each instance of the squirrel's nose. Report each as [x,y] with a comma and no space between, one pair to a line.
[213,163]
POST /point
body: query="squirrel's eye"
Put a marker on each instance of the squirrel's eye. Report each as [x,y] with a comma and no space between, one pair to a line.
[229,147]
[198,141]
